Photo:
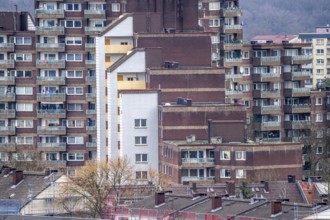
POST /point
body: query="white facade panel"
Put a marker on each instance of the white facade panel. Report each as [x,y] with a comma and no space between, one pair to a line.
[124,28]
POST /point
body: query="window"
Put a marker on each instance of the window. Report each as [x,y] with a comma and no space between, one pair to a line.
[73,7]
[24,107]
[225,155]
[24,90]
[22,73]
[318,101]
[141,158]
[247,103]
[21,57]
[115,7]
[319,117]
[140,123]
[319,134]
[245,54]
[319,71]
[72,24]
[140,140]
[23,123]
[214,6]
[73,140]
[319,52]
[73,40]
[240,174]
[141,175]
[74,57]
[74,74]
[20,40]
[245,71]
[319,61]
[75,157]
[75,107]
[75,123]
[318,166]
[74,91]
[215,39]
[319,41]
[225,173]
[319,150]
[23,140]
[240,155]
[328,115]
[214,22]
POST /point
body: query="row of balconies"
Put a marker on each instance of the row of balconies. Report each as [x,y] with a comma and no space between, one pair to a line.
[45,130]
[60,13]
[53,64]
[271,93]
[277,109]
[59,30]
[50,113]
[44,97]
[277,125]
[42,80]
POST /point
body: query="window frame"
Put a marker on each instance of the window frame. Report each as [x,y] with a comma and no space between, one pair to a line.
[223,173]
[115,7]
[140,142]
[140,123]
[141,158]
[243,156]
[222,155]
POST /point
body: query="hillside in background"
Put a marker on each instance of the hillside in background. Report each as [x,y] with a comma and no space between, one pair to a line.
[259,16]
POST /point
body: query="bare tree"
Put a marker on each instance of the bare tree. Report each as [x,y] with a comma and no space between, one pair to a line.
[160,181]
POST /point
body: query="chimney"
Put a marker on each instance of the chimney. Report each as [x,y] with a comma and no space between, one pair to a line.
[276,207]
[266,186]
[230,188]
[17,176]
[159,198]
[216,203]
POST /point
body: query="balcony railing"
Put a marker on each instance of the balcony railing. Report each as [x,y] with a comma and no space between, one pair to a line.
[7,79]
[270,107]
[7,95]
[51,95]
[7,46]
[7,113]
[50,62]
[91,144]
[234,92]
[50,79]
[50,46]
[233,27]
[50,12]
[270,124]
[301,90]
[233,60]
[271,91]
[7,128]
[90,128]
[90,62]
[301,122]
[90,95]
[298,74]
[93,29]
[50,29]
[7,62]
[196,178]
[91,112]
[52,111]
[51,128]
[270,59]
[301,57]
[90,45]
[232,10]
[50,145]
[269,75]
[197,160]
[234,76]
[271,139]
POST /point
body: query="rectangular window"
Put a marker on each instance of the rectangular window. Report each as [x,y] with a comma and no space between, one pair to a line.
[319,52]
[240,155]
[245,55]
[328,116]
[73,24]
[240,174]
[75,107]
[215,39]
[214,6]
[214,22]
[21,57]
[140,140]
[22,73]
[74,57]
[73,7]
[319,117]
[319,61]
[75,123]
[319,71]
[75,157]
[115,7]
[73,40]
[73,140]
[24,107]
[246,71]
[74,91]
[225,155]
[74,74]
[24,90]
[141,175]
[23,123]
[320,41]
[225,173]
[318,101]
[23,140]
[141,158]
[140,123]
[20,40]
[319,150]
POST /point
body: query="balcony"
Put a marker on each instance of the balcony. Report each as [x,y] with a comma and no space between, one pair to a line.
[232,29]
[264,94]
[55,130]
[7,64]
[7,47]
[267,110]
[301,108]
[7,80]
[7,130]
[43,80]
[8,97]
[7,113]
[44,13]
[92,145]
[230,12]
[266,77]
[54,163]
[55,30]
[48,64]
[45,47]
[8,147]
[301,59]
[302,124]
[234,77]
[271,140]
[118,49]
[200,180]
[197,162]
[90,47]
[296,76]
[90,63]
[94,14]
[230,62]
[91,112]
[90,97]
[297,92]
[51,147]
[268,126]
[51,113]
[93,30]
[90,80]
[234,93]
[52,97]
[233,46]
[91,129]
[267,61]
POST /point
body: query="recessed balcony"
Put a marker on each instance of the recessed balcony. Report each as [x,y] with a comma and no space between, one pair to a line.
[51,97]
[54,30]
[93,30]
[232,29]
[45,47]
[230,62]
[301,124]
[48,64]
[233,46]
[200,180]
[90,47]
[7,130]
[94,14]
[90,63]
[7,47]
[7,80]
[55,130]
[264,94]
[51,113]
[7,64]
[91,129]
[46,13]
[90,80]
[91,112]
[300,108]
[266,77]
[297,92]
[91,145]
[7,113]
[234,77]
[90,97]
[8,97]
[197,162]
[230,12]
[51,147]
[297,75]
[301,59]
[54,163]
[8,147]
[267,61]
[234,93]
[268,125]
[43,80]
[267,110]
